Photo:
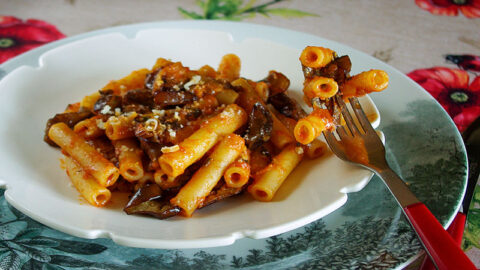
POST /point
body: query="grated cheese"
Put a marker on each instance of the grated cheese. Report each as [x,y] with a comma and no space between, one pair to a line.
[106,110]
[160,113]
[195,80]
[151,124]
[176,116]
[113,120]
[169,149]
[100,124]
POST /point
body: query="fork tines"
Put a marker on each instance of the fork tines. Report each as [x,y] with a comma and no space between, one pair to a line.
[365,131]
[359,113]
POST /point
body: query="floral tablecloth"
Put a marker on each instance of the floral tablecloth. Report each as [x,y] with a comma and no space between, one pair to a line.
[435,42]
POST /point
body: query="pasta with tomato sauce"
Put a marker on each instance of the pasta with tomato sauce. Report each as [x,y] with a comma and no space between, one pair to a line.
[179,139]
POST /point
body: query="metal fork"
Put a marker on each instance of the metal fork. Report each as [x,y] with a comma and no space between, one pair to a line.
[362,146]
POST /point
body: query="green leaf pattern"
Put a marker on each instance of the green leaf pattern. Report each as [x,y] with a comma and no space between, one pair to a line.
[33,265]
[236,10]
[10,262]
[35,254]
[472,232]
[9,230]
[28,234]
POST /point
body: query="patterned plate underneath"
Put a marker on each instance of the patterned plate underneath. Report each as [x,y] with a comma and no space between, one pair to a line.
[368,232]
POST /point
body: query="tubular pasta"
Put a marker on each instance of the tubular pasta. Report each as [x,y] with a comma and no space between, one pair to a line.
[94,193]
[89,128]
[160,63]
[88,157]
[314,149]
[202,140]
[237,174]
[316,57]
[75,107]
[165,181]
[129,159]
[204,180]
[121,127]
[207,71]
[261,88]
[179,130]
[229,67]
[227,96]
[366,82]
[310,127]
[268,181]
[146,178]
[89,101]
[320,87]
[134,80]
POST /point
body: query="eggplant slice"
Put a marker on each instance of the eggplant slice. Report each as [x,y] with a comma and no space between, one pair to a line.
[70,119]
[151,200]
[260,125]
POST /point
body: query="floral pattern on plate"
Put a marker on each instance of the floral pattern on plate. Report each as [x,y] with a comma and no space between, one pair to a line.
[368,232]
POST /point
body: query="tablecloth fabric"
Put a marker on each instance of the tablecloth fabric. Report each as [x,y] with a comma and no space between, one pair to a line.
[434,42]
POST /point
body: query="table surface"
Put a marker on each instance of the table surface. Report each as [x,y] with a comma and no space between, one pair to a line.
[417,37]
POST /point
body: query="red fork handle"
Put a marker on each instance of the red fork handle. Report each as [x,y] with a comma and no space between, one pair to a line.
[456,231]
[443,250]
[457,227]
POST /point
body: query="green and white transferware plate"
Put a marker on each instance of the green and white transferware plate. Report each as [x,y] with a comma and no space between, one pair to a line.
[368,231]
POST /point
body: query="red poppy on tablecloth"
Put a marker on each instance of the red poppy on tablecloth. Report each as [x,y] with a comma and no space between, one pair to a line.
[469,8]
[18,36]
[453,90]
[465,118]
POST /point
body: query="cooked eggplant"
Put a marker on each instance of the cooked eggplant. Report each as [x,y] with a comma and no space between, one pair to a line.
[277,82]
[338,69]
[260,125]
[165,99]
[107,98]
[150,79]
[287,106]
[70,119]
[138,96]
[151,200]
[220,194]
[152,149]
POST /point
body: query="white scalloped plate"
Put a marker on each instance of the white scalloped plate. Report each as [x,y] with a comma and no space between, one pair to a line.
[41,87]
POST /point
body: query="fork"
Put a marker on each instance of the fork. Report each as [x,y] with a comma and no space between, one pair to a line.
[360,144]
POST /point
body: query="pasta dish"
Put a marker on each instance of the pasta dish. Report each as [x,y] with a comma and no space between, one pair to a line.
[178,139]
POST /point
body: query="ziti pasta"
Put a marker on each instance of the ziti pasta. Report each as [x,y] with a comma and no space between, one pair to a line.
[179,139]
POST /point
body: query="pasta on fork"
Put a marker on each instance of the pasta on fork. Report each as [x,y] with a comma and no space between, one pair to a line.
[178,139]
